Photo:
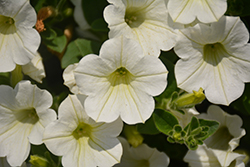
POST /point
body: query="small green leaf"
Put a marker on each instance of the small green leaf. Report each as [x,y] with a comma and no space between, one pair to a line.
[213,126]
[78,49]
[164,120]
[148,128]
[58,43]
[192,125]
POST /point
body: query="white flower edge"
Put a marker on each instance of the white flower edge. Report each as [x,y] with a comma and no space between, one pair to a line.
[112,94]
[19,40]
[204,156]
[35,68]
[222,77]
[69,78]
[230,128]
[186,11]
[24,114]
[141,155]
[98,145]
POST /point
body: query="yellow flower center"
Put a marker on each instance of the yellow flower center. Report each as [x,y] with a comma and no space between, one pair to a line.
[32,114]
[214,53]
[120,76]
[7,25]
[134,17]
[220,139]
[82,130]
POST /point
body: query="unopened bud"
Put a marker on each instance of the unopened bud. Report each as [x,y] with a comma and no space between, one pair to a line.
[133,136]
[190,99]
[38,161]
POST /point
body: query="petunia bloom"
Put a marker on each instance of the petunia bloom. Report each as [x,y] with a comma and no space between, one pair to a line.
[141,156]
[80,140]
[204,157]
[120,82]
[24,112]
[215,57]
[186,11]
[227,136]
[144,21]
[18,40]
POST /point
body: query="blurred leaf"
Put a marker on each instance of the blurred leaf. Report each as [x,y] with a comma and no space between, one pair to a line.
[238,8]
[49,34]
[243,103]
[4,78]
[58,43]
[100,25]
[148,128]
[78,49]
[93,9]
[164,120]
[37,4]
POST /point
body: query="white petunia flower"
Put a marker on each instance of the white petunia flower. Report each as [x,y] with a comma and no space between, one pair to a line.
[19,41]
[141,156]
[144,21]
[227,136]
[24,112]
[206,157]
[35,68]
[186,11]
[216,58]
[120,82]
[80,140]
[69,78]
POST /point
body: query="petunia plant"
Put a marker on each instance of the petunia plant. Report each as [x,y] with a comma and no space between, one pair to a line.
[101,83]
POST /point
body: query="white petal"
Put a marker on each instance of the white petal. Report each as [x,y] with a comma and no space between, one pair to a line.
[90,77]
[58,137]
[185,11]
[35,68]
[71,110]
[149,78]
[29,95]
[69,78]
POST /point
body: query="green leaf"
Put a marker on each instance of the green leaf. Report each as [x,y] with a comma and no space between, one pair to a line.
[93,9]
[148,128]
[4,79]
[164,120]
[49,34]
[213,126]
[78,49]
[194,124]
[238,8]
[58,43]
